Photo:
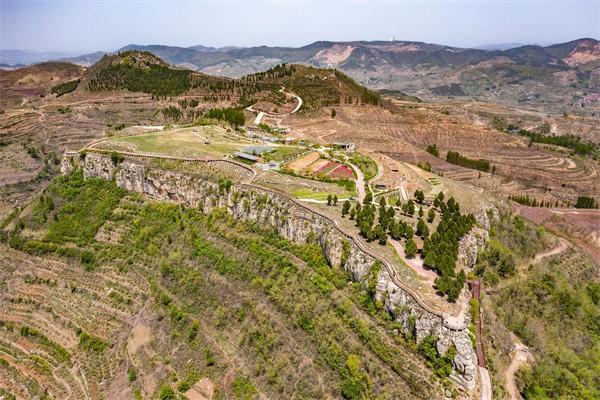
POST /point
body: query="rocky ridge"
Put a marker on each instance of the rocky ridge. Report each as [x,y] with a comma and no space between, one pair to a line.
[297,223]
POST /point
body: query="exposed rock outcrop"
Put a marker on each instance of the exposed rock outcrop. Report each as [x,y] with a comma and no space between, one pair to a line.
[297,223]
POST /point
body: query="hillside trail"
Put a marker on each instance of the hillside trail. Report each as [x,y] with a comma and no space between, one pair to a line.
[521,356]
[360,182]
[559,248]
[415,263]
[287,93]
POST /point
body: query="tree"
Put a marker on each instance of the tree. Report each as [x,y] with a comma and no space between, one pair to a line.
[440,196]
[433,150]
[335,199]
[430,215]
[419,196]
[422,229]
[329,199]
[345,208]
[380,234]
[333,113]
[410,249]
[420,211]
[382,202]
[410,208]
[368,198]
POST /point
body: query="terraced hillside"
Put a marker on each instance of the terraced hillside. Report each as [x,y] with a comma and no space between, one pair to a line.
[404,130]
[151,298]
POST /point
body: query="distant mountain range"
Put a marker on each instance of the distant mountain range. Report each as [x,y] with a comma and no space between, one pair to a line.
[417,68]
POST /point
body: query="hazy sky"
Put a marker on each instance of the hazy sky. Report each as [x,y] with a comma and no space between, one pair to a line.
[90,25]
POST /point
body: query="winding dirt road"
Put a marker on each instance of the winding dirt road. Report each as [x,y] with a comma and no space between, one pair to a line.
[521,356]
[562,246]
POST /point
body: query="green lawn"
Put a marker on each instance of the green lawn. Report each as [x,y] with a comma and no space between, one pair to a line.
[309,194]
[284,153]
[185,142]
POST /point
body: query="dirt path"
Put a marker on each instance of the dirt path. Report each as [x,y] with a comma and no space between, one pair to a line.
[360,182]
[521,356]
[415,263]
[282,90]
[562,246]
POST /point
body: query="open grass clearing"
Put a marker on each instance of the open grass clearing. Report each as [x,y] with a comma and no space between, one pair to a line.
[204,141]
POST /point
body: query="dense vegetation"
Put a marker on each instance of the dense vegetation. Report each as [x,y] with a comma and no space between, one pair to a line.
[586,202]
[290,306]
[64,88]
[553,306]
[155,79]
[441,248]
[454,157]
[532,201]
[569,141]
[433,150]
[232,115]
[89,202]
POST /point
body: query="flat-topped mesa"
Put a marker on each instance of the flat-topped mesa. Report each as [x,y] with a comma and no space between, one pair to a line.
[297,223]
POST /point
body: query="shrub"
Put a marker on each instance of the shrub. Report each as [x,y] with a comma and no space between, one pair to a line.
[91,343]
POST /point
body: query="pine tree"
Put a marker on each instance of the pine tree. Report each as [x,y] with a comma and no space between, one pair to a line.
[345,208]
[410,249]
[430,215]
[410,208]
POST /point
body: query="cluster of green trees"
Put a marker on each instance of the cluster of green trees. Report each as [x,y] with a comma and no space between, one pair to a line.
[91,343]
[586,202]
[387,224]
[57,351]
[171,113]
[425,166]
[454,157]
[234,116]
[279,71]
[64,88]
[433,150]
[532,201]
[569,141]
[332,200]
[158,80]
[496,261]
[441,248]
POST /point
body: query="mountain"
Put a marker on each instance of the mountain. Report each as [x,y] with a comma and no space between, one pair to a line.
[530,74]
[25,57]
[499,46]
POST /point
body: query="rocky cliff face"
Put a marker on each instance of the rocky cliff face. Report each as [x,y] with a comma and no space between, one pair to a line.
[297,223]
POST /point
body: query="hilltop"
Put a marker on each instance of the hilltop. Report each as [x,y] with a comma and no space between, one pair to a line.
[530,74]
[142,71]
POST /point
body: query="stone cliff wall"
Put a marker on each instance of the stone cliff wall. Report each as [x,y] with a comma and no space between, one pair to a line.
[296,223]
